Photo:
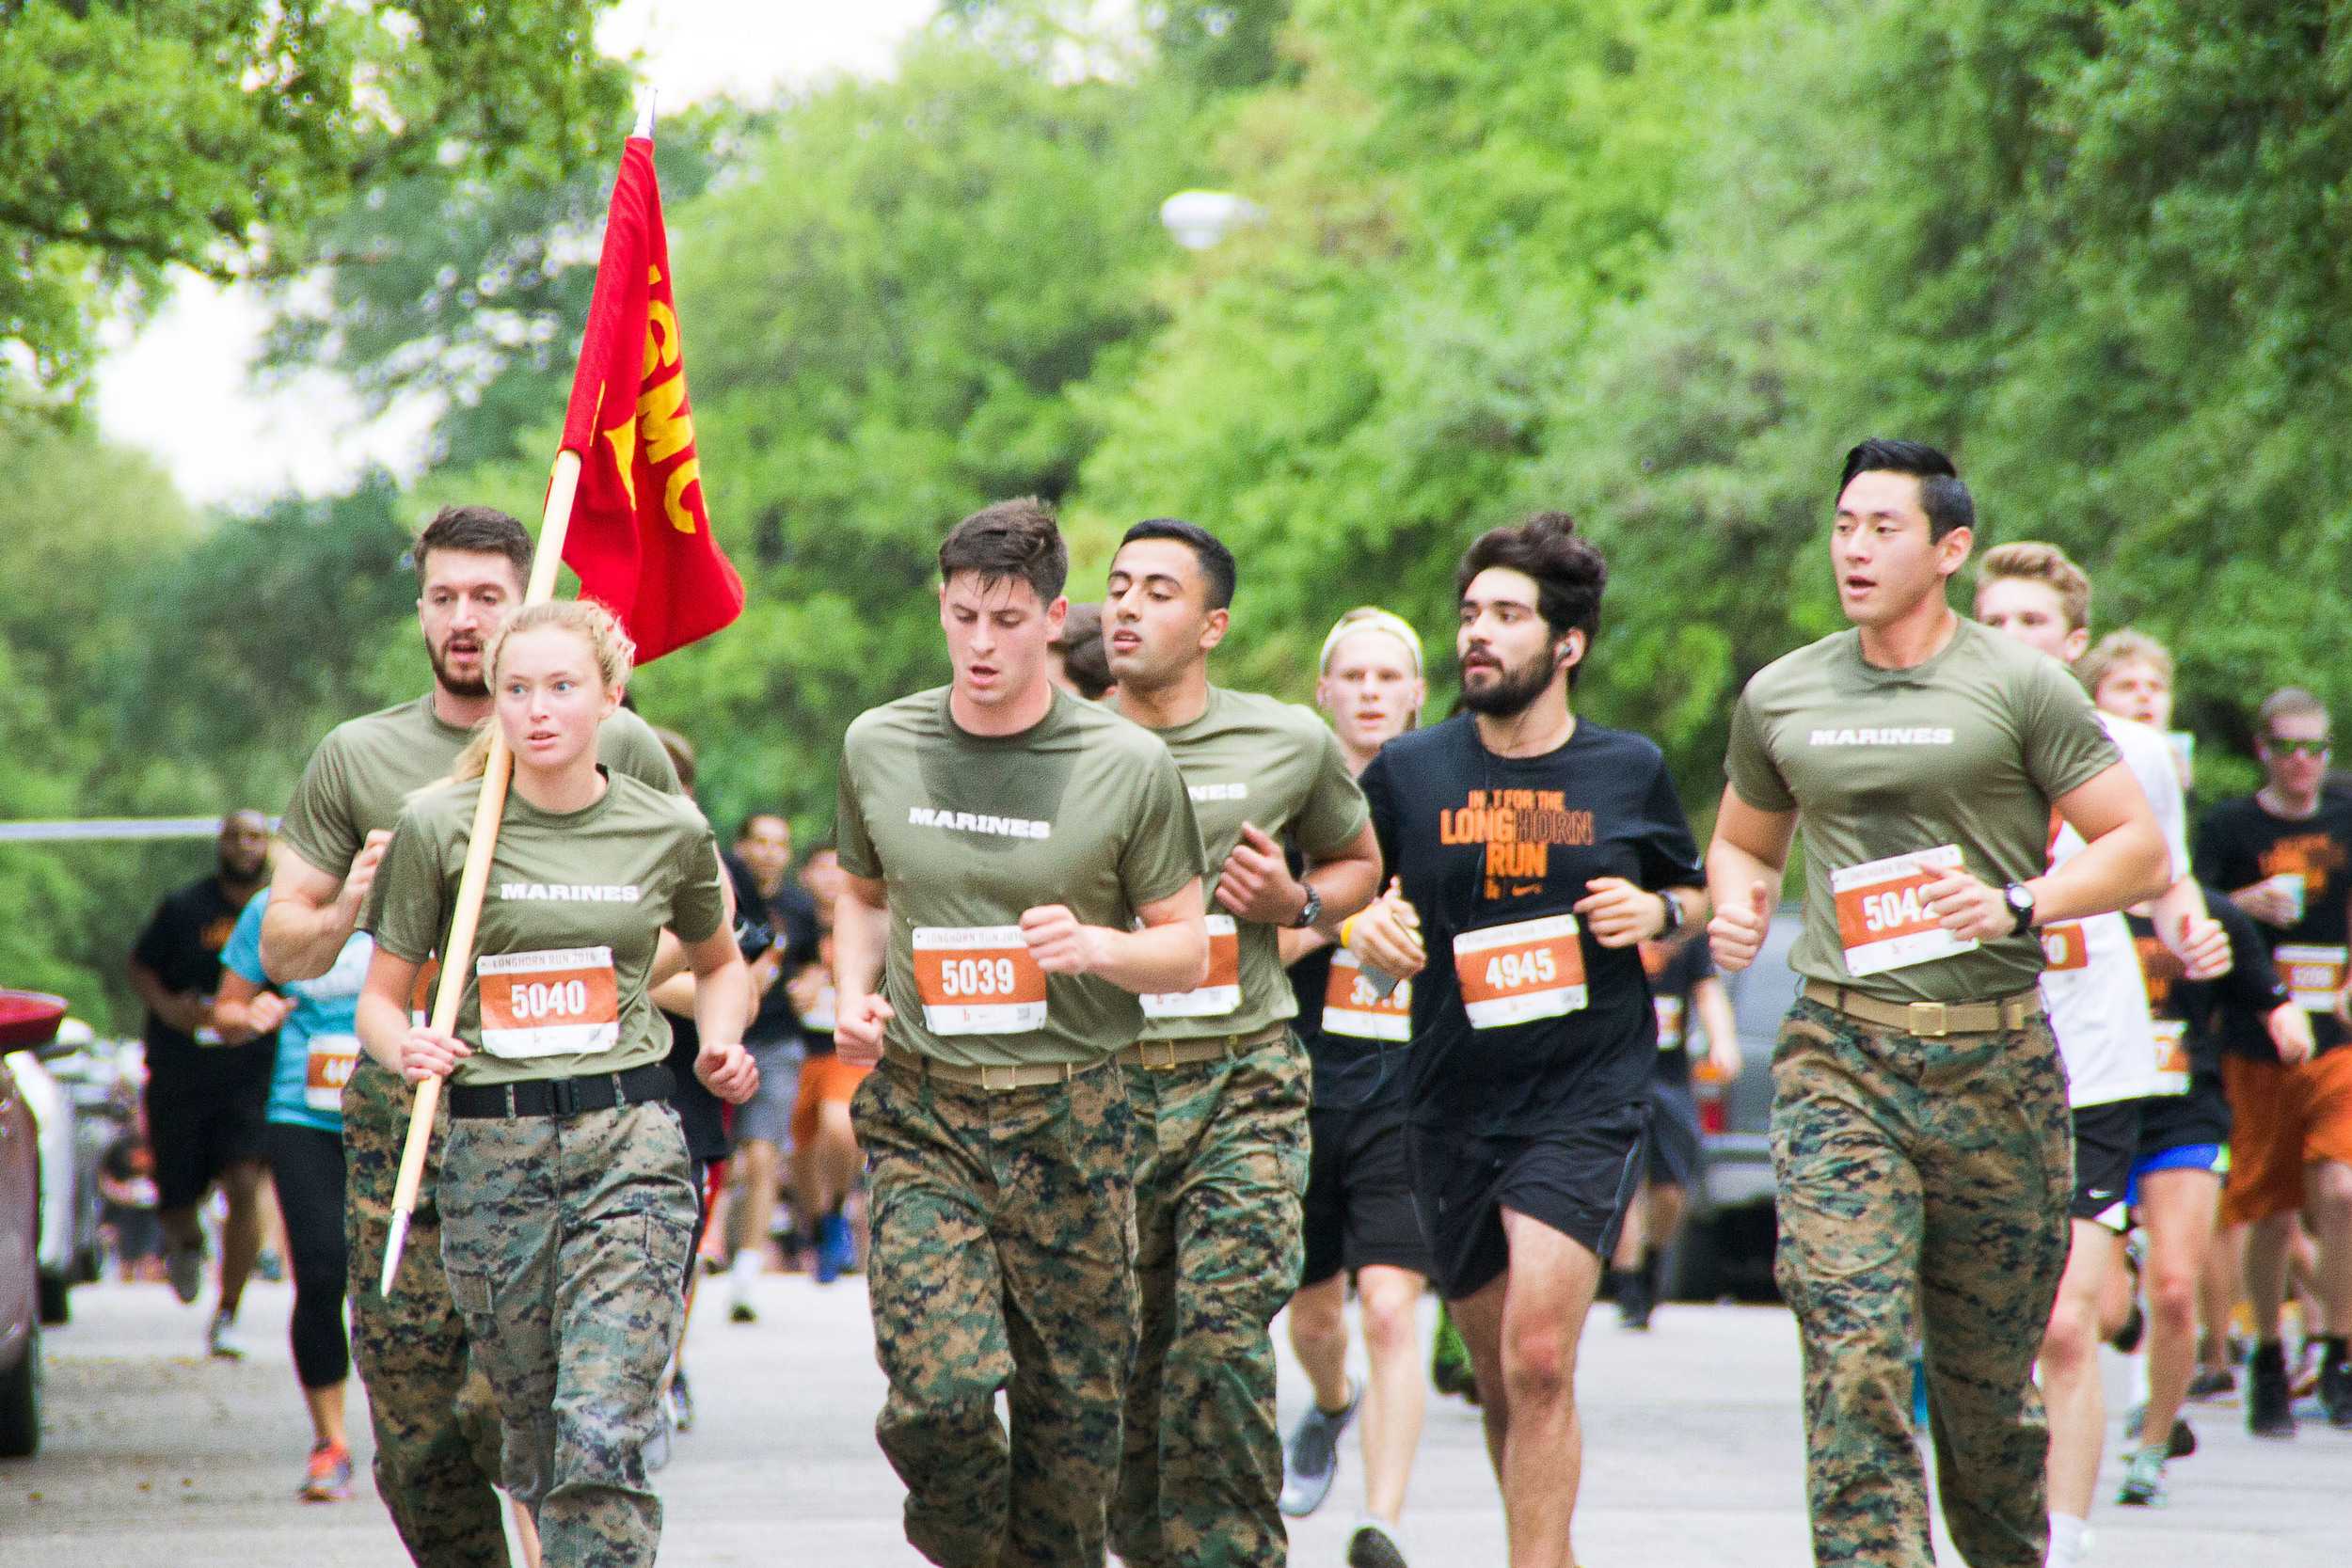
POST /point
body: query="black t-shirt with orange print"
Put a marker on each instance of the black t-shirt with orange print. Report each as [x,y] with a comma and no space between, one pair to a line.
[2241,843]
[1520,1016]
[182,943]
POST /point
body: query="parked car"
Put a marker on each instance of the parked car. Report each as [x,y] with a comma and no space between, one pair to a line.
[27,1019]
[69,1200]
[100,1080]
[1727,1244]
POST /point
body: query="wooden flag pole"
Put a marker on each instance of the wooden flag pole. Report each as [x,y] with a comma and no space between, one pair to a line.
[458,953]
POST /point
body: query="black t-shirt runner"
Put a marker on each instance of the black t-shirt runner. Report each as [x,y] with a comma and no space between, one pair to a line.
[2240,844]
[792,917]
[182,943]
[1675,973]
[702,1115]
[2215,1016]
[1520,1018]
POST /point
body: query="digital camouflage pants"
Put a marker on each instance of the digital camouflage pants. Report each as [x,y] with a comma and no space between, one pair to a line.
[437,1432]
[1220,1173]
[1002,1260]
[1923,1188]
[566,1241]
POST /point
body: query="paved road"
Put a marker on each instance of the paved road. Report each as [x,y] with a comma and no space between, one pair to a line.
[157,1458]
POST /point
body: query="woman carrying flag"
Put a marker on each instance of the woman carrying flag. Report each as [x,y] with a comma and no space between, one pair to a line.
[565,1199]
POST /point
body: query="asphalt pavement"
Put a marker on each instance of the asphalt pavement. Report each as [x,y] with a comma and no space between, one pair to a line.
[156,1457]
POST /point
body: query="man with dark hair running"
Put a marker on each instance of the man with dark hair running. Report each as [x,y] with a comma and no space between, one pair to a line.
[206,1092]
[437,1429]
[1017,867]
[1219,1080]
[1534,851]
[1920,1132]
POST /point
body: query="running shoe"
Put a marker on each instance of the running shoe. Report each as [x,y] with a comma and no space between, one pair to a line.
[681,1403]
[1635,1299]
[836,1250]
[740,1277]
[1374,1545]
[1312,1458]
[329,1477]
[2335,1391]
[1450,1363]
[221,1339]
[2270,1403]
[2213,1383]
[2143,1479]
[184,1268]
[2183,1440]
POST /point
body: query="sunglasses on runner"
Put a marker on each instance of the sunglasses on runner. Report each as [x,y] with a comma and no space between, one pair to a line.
[2297,748]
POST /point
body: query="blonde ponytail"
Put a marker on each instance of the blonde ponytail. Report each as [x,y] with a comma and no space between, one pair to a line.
[593,625]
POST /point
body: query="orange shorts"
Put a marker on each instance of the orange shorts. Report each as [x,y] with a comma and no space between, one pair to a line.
[2282,1119]
[823,1080]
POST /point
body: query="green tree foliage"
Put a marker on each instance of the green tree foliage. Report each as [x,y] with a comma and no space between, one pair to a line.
[214,133]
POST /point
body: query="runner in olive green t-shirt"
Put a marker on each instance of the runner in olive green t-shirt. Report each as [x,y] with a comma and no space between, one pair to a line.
[1920,1132]
[566,1196]
[1218,1080]
[1018,865]
[436,1443]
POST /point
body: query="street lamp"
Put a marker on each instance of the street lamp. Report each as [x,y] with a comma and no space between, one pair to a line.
[1198,219]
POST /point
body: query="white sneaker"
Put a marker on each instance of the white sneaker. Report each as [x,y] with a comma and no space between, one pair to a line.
[740,1277]
[221,1340]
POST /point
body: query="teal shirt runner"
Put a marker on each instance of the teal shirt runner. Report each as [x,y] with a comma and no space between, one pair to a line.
[319,1041]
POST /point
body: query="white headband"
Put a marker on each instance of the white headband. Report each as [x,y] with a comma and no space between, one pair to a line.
[1371,618]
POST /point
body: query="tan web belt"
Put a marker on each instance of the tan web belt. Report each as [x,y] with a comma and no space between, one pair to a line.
[1168,1055]
[1928,1019]
[1026,1075]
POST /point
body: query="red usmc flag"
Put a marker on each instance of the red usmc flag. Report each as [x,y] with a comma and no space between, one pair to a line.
[640,535]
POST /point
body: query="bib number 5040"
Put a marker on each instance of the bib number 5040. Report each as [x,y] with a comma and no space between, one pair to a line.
[555,999]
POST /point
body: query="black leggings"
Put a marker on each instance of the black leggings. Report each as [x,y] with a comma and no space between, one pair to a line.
[307,1166]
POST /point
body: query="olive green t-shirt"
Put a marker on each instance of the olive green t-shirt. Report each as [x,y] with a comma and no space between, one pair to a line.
[367,767]
[1968,750]
[1278,767]
[574,908]
[966,832]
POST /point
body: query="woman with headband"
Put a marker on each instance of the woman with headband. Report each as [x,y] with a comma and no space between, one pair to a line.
[1359,1219]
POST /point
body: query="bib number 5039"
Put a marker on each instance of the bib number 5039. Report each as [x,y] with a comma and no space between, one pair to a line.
[978,977]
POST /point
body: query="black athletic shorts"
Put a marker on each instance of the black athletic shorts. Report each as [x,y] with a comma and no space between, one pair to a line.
[2201,1117]
[195,1137]
[2106,1141]
[1674,1135]
[1577,1178]
[1360,1194]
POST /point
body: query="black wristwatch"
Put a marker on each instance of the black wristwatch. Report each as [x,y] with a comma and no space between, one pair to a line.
[1312,910]
[1674,917]
[2020,900]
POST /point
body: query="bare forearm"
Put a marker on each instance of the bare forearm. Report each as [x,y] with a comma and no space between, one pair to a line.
[1345,885]
[382,1028]
[301,941]
[2113,871]
[1169,958]
[2184,901]
[723,1003]
[1731,871]
[861,937]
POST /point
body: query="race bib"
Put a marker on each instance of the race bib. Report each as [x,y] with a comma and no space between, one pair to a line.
[332,1057]
[1515,973]
[1217,995]
[2065,948]
[1353,1005]
[1670,1010]
[562,1002]
[978,980]
[2314,972]
[2172,1067]
[1882,921]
